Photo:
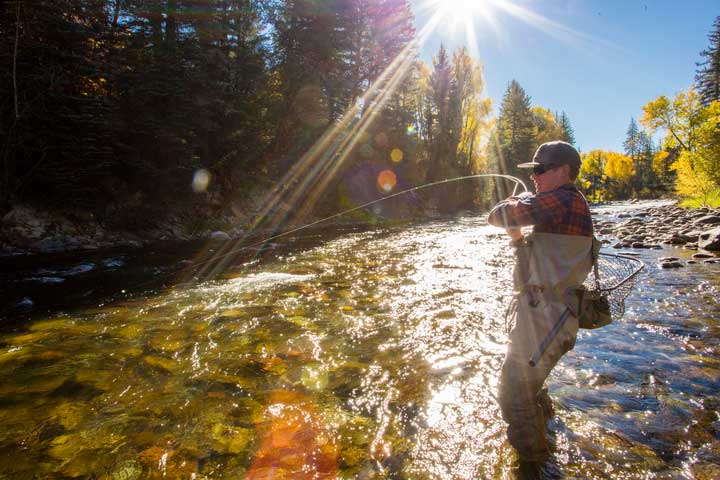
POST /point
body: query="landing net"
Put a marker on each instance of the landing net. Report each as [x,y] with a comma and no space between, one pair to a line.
[614,278]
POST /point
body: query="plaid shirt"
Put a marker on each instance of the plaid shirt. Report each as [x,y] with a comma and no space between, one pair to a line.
[563,210]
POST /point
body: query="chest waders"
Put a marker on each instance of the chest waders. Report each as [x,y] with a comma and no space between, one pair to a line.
[546,266]
[553,265]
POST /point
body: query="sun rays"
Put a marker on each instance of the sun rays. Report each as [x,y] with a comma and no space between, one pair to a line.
[305,184]
[471,17]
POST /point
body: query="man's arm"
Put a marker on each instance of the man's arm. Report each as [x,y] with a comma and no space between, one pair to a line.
[513,213]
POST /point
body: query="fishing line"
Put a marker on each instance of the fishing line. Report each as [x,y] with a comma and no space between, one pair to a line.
[518,183]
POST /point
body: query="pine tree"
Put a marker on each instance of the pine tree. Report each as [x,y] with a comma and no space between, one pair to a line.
[632,140]
[633,146]
[568,133]
[440,83]
[514,136]
[707,75]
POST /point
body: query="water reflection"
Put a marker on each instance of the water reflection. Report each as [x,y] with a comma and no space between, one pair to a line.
[374,355]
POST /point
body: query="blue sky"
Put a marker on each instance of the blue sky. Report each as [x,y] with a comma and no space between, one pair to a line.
[599,61]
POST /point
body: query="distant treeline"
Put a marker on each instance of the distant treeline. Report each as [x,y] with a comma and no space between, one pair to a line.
[159,104]
[124,102]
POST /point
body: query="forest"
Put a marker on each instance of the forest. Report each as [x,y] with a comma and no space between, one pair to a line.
[133,110]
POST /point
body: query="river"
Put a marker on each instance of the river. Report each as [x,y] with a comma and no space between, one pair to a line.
[353,354]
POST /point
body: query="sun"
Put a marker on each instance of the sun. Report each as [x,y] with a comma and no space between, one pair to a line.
[463,10]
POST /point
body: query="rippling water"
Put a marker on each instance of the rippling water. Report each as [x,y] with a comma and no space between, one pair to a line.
[372,355]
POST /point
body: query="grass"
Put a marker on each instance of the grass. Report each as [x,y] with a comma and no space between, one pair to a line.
[710,200]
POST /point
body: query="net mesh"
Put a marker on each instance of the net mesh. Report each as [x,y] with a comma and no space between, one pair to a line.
[617,277]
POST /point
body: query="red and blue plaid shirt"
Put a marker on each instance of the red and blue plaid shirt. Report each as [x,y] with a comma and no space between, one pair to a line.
[563,210]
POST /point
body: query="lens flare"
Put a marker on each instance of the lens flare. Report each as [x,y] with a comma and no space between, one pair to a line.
[201,180]
[387,180]
[396,155]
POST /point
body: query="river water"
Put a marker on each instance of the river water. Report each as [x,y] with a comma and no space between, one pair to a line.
[366,354]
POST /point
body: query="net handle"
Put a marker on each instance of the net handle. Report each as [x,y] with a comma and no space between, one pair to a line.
[595,256]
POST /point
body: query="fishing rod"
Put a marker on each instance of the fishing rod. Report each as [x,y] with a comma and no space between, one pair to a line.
[518,183]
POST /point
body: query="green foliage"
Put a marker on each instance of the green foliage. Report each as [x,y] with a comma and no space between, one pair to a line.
[514,139]
[707,76]
[692,132]
[567,132]
[639,147]
[130,98]
[710,199]
[126,99]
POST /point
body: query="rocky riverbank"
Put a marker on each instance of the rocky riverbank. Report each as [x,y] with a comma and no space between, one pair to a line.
[26,230]
[667,225]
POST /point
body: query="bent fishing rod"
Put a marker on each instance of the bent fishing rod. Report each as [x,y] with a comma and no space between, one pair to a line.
[518,183]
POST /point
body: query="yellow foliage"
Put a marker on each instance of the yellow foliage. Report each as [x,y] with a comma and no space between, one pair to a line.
[619,167]
[691,180]
[591,175]
[545,127]
[659,162]
[593,163]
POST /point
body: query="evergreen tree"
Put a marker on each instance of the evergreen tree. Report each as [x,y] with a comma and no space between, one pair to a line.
[514,135]
[567,131]
[632,140]
[440,83]
[707,76]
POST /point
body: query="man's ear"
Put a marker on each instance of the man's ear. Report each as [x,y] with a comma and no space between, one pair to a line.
[566,170]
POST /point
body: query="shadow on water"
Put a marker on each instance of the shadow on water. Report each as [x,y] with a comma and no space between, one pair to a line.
[345,354]
[37,285]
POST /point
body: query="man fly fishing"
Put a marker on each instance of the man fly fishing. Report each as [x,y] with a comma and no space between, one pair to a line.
[551,263]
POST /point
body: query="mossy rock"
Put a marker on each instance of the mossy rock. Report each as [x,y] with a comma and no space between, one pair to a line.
[126,470]
[161,364]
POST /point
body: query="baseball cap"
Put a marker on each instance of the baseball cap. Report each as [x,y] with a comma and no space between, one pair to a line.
[554,153]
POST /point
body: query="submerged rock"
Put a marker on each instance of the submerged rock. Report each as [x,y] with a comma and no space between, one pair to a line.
[670,265]
[127,470]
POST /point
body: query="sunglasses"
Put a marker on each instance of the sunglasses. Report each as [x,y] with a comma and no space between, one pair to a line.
[540,169]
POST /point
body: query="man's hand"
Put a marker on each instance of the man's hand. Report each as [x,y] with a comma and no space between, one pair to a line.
[515,234]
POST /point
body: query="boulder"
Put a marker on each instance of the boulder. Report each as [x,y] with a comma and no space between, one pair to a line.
[679,238]
[707,220]
[670,265]
[710,240]
[50,245]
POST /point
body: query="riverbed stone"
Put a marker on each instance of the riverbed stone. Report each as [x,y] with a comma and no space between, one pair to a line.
[670,265]
[707,220]
[679,238]
[703,255]
[710,240]
[50,245]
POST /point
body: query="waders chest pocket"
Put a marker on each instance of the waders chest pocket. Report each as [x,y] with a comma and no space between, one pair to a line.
[594,309]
